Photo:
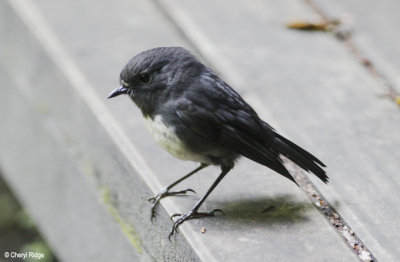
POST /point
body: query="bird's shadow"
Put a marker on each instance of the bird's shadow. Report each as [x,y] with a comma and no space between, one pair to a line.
[282,209]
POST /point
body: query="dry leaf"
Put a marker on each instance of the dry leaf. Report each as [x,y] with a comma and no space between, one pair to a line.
[397,99]
[308,25]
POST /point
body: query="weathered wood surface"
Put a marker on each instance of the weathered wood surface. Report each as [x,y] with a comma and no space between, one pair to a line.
[308,85]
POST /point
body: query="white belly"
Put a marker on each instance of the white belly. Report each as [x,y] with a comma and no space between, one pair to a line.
[166,137]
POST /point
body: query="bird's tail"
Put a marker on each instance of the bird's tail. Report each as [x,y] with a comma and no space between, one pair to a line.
[301,157]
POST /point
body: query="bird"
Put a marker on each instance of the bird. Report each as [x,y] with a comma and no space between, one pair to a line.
[195,115]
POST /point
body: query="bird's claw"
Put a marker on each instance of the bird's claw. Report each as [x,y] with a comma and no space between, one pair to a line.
[174,215]
[155,200]
[217,210]
[190,215]
[164,193]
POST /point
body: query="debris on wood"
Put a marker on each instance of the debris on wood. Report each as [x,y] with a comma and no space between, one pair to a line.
[397,99]
[342,27]
[308,25]
[333,217]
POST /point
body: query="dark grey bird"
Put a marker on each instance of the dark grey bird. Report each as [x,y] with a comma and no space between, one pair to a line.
[195,115]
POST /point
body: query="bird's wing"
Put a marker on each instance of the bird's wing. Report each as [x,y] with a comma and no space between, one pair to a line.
[230,125]
[215,111]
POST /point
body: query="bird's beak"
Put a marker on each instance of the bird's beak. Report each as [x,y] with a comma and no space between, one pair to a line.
[118,91]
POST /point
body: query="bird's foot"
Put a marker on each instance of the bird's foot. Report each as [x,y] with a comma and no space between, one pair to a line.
[192,214]
[155,200]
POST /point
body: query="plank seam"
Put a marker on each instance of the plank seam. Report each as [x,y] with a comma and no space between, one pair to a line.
[383,82]
[199,42]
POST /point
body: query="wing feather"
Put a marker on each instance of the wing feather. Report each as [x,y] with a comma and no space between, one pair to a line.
[232,131]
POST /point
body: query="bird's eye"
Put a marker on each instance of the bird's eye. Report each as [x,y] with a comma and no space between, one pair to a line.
[144,78]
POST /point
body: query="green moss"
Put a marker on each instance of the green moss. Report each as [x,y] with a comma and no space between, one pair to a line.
[42,107]
[106,195]
[87,166]
[128,230]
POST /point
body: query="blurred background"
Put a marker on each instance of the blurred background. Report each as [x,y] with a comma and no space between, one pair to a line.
[76,170]
[17,230]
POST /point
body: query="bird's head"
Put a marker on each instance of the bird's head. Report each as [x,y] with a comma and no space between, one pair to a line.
[152,74]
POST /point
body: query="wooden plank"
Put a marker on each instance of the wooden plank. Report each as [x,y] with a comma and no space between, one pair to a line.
[310,86]
[51,186]
[375,32]
[63,164]
[100,43]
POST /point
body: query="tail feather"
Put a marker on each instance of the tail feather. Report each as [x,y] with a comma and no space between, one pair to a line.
[301,157]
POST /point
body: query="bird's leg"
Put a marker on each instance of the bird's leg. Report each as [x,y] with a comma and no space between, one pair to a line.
[165,191]
[193,212]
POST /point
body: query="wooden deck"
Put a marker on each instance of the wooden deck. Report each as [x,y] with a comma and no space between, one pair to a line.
[84,166]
